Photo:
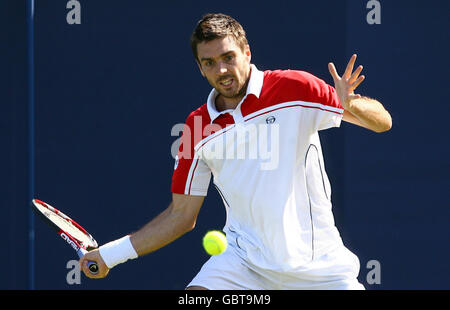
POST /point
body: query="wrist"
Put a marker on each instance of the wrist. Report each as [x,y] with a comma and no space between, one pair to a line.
[117,251]
[351,104]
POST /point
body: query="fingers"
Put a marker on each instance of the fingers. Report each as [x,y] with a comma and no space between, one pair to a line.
[355,75]
[82,261]
[84,266]
[350,80]
[356,83]
[349,69]
[333,72]
[95,257]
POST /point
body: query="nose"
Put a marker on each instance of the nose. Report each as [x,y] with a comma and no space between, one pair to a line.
[222,68]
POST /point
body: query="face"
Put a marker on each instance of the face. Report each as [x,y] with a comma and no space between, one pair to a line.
[226,66]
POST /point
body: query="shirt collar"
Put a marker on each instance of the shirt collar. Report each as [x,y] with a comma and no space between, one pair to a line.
[254,87]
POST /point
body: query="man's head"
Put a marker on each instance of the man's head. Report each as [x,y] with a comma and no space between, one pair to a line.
[221,50]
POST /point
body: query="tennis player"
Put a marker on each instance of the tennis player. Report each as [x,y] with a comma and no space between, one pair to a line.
[279,224]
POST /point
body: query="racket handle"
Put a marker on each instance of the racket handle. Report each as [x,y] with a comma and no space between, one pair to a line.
[93,267]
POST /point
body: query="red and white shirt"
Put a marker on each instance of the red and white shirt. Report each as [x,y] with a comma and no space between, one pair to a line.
[266,162]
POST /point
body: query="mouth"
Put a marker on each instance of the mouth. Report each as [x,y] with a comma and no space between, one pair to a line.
[226,83]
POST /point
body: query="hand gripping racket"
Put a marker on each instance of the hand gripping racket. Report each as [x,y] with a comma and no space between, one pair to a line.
[75,235]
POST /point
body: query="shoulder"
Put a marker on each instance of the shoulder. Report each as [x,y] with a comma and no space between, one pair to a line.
[293,85]
[201,113]
[293,77]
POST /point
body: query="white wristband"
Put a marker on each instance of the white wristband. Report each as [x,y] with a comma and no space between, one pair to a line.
[117,251]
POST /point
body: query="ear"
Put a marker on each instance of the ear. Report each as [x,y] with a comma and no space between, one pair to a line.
[248,53]
[200,68]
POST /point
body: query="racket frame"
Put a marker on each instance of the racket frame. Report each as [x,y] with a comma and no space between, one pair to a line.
[76,244]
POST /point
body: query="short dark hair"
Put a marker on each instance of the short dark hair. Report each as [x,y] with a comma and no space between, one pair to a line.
[216,26]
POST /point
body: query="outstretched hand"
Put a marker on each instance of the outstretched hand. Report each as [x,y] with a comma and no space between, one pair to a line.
[349,81]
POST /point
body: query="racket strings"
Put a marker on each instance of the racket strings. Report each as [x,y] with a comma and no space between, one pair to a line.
[66,225]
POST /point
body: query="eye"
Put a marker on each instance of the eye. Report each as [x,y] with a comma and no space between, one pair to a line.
[208,63]
[228,58]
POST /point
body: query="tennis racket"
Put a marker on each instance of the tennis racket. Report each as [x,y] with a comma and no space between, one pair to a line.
[72,232]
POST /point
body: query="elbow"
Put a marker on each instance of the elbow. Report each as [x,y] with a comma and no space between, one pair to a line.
[185,221]
[385,126]
[190,226]
[186,225]
[189,222]
[184,210]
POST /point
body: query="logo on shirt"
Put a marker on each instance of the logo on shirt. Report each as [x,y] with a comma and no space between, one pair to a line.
[270,120]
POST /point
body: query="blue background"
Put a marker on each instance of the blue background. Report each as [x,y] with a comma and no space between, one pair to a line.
[109,91]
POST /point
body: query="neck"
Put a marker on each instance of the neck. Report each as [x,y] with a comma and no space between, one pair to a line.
[223,103]
[227,103]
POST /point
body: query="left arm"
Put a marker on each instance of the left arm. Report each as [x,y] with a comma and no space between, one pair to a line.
[362,111]
[368,113]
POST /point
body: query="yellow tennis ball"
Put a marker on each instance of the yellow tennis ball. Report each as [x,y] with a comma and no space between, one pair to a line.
[215,242]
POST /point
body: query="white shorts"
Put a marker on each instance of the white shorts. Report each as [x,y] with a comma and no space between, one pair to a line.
[337,270]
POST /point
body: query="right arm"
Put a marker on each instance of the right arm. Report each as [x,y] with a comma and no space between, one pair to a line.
[178,219]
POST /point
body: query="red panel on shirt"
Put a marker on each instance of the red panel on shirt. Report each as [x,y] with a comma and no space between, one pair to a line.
[197,127]
[291,85]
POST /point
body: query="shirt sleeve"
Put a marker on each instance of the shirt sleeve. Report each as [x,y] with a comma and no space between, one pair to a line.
[324,107]
[191,175]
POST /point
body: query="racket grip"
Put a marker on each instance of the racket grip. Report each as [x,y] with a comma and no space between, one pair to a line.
[93,267]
